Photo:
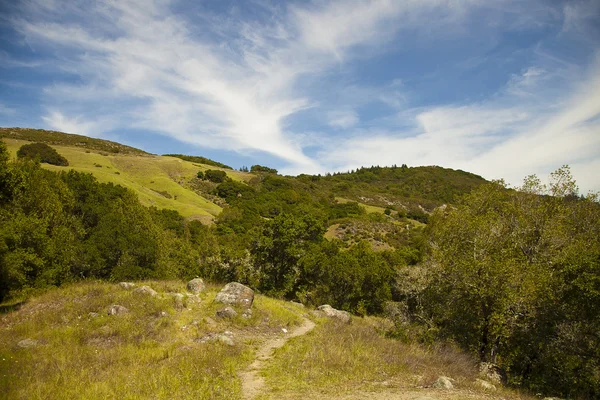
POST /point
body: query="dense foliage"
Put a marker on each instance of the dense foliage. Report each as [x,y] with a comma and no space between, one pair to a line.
[199,160]
[515,277]
[43,152]
[56,228]
[213,175]
[257,169]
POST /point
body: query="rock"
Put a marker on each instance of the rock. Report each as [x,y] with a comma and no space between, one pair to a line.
[163,314]
[443,382]
[127,285]
[236,294]
[484,384]
[28,343]
[217,337]
[225,340]
[226,312]
[247,314]
[146,290]
[493,373]
[211,323]
[192,298]
[116,309]
[331,312]
[196,285]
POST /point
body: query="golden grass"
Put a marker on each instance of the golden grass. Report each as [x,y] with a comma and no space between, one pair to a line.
[338,360]
[151,352]
[151,177]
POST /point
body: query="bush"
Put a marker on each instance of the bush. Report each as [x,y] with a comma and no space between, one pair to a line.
[257,169]
[214,175]
[43,152]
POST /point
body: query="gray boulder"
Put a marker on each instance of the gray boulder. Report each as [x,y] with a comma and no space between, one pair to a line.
[127,285]
[236,294]
[226,312]
[116,309]
[28,343]
[196,285]
[146,290]
[331,312]
[443,382]
[493,373]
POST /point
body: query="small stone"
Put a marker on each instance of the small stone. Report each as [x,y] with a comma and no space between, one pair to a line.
[28,343]
[284,330]
[225,340]
[443,382]
[210,322]
[127,285]
[146,290]
[247,314]
[484,384]
[163,314]
[226,312]
[193,298]
[116,309]
[196,285]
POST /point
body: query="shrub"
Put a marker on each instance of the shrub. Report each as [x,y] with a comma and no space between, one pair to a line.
[43,152]
[215,175]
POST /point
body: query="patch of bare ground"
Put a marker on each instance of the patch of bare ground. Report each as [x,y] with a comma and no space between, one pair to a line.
[252,381]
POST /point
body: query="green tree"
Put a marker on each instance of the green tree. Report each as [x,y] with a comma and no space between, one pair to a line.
[281,243]
[515,277]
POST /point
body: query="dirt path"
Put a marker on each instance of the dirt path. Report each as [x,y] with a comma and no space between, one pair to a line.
[252,382]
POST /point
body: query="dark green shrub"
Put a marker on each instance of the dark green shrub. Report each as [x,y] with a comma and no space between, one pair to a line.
[43,152]
[215,175]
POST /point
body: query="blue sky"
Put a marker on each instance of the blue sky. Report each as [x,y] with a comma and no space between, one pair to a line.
[500,88]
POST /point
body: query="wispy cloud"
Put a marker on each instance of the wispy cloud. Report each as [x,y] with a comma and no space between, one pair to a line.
[289,80]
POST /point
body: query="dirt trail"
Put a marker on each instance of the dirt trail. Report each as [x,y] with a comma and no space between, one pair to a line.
[252,382]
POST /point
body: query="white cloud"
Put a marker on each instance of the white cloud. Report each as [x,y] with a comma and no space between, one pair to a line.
[57,121]
[500,138]
[233,82]
[343,119]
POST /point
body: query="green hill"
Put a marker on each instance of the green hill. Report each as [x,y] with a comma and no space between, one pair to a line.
[158,181]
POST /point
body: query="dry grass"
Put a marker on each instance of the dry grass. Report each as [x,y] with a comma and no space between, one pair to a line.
[152,352]
[339,361]
[146,175]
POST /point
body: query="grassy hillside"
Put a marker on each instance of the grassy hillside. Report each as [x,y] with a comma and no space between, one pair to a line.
[158,181]
[64,344]
[68,139]
[161,349]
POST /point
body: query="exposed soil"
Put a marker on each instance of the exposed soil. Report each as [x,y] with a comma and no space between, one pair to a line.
[252,382]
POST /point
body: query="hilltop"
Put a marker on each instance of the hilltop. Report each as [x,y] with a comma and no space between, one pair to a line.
[167,183]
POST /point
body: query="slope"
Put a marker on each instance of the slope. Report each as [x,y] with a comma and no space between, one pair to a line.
[162,182]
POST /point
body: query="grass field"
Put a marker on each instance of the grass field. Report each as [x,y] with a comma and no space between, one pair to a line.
[157,350]
[158,181]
